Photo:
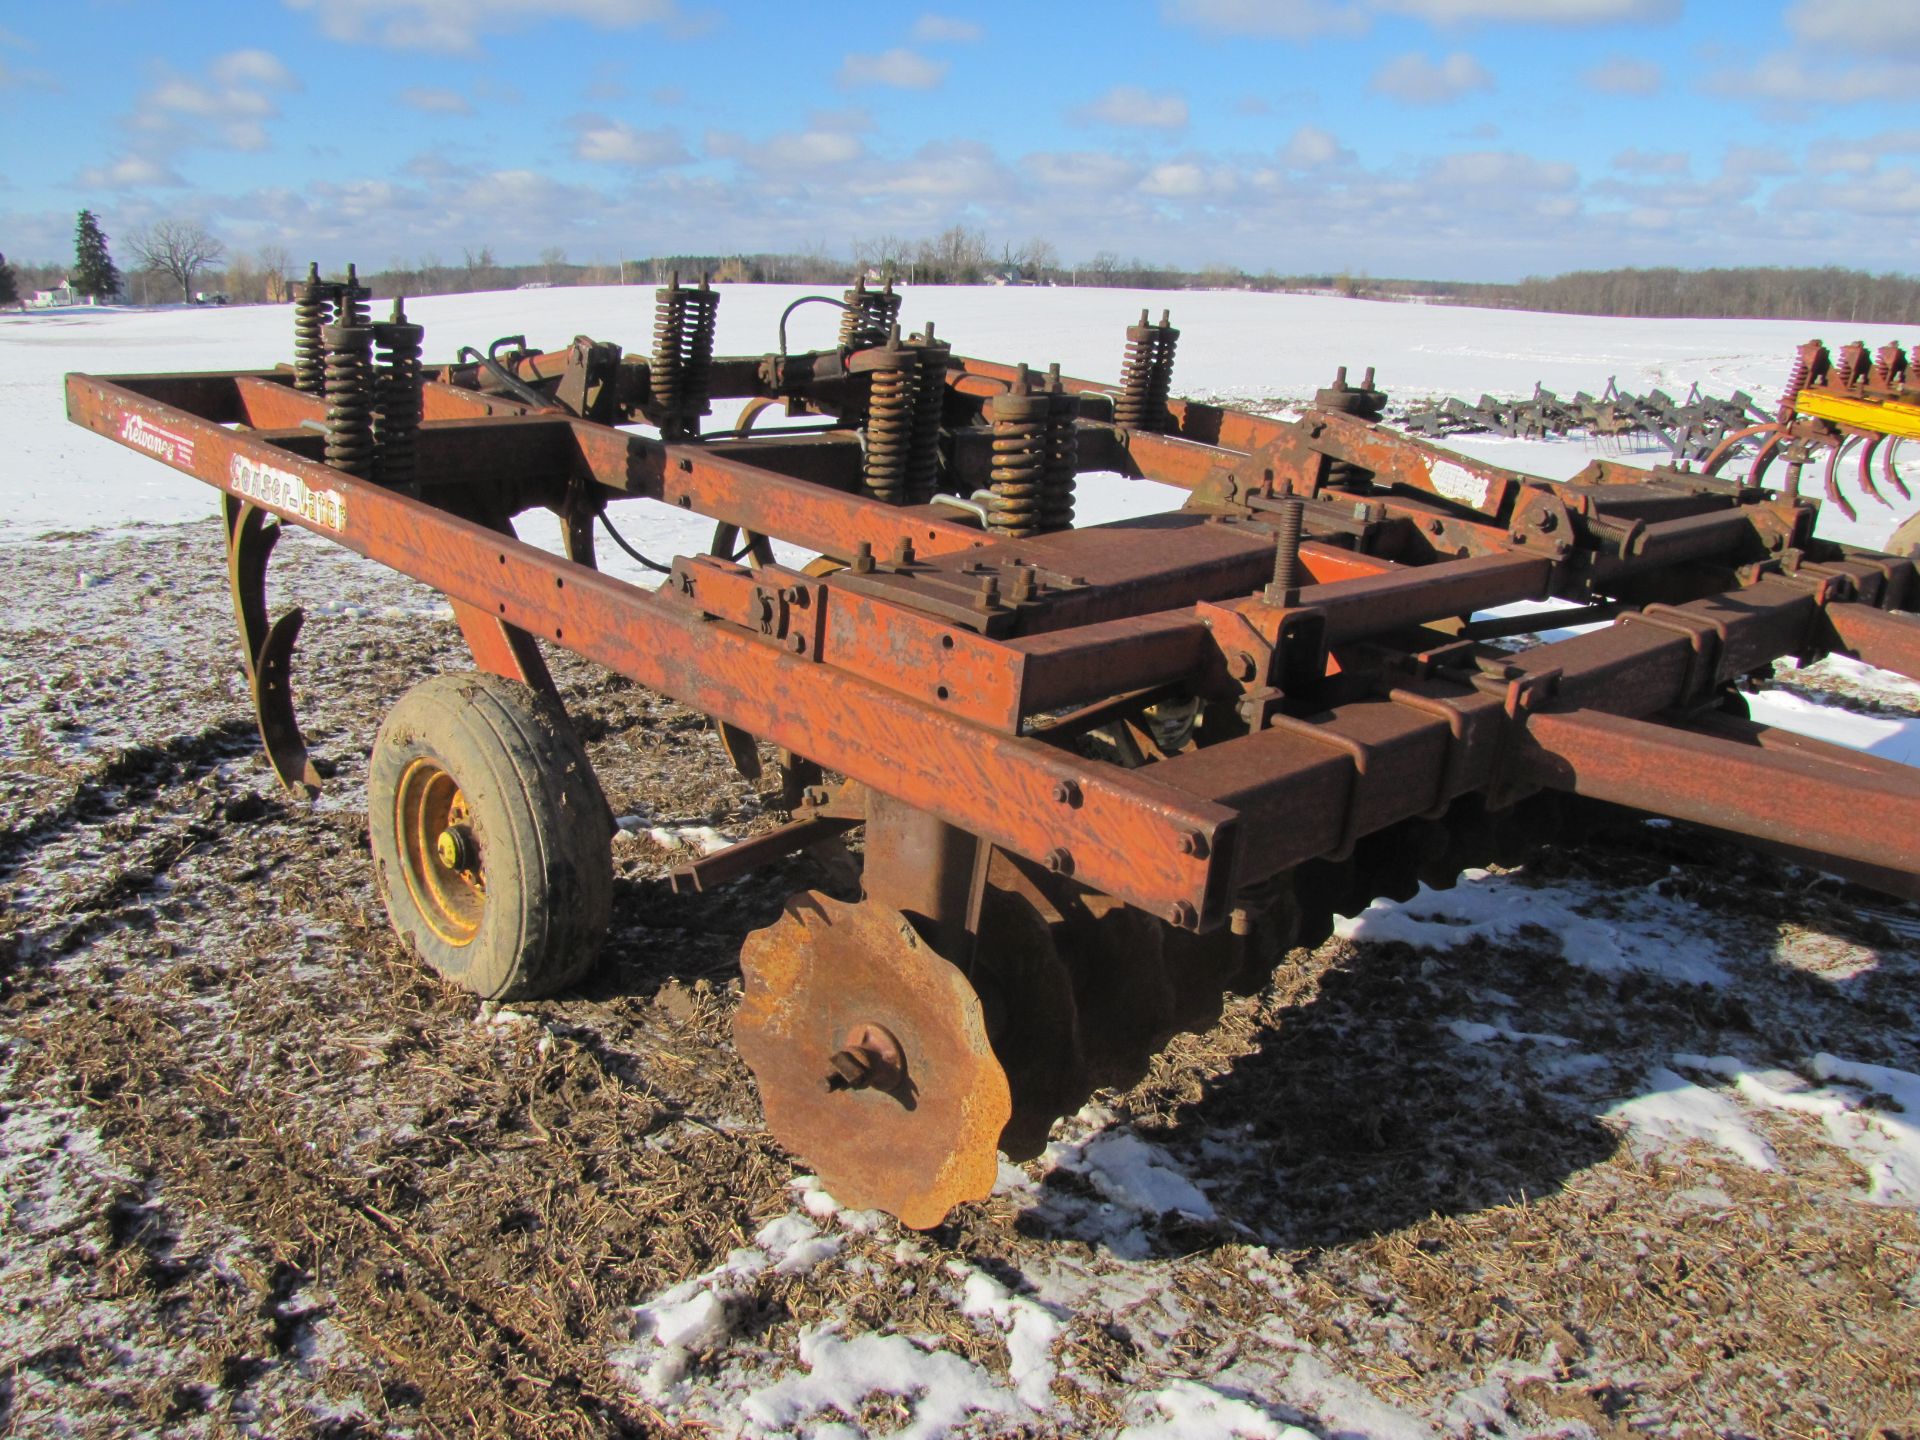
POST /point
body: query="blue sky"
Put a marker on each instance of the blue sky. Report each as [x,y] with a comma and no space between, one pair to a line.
[1469,139]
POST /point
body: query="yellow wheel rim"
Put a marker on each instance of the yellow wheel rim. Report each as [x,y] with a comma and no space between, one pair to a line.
[439,852]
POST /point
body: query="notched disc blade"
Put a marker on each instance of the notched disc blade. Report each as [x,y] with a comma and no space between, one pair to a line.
[824,972]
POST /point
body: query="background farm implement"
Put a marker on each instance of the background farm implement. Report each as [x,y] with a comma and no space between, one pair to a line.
[1099,776]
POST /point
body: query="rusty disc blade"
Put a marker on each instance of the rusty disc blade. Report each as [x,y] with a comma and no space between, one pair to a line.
[912,1128]
[1032,1017]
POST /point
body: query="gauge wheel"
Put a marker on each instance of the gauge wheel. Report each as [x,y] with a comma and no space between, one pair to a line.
[492,843]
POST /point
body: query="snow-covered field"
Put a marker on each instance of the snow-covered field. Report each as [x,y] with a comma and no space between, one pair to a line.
[1434,1182]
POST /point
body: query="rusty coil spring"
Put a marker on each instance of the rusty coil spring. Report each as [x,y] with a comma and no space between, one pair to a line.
[869,317]
[890,422]
[396,421]
[1146,375]
[313,301]
[1063,456]
[1021,450]
[349,386]
[929,409]
[682,371]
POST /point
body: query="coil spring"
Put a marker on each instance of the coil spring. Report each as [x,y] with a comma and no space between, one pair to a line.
[869,316]
[1146,375]
[396,386]
[1852,366]
[929,409]
[683,329]
[1063,456]
[349,398]
[351,307]
[313,301]
[1021,451]
[891,411]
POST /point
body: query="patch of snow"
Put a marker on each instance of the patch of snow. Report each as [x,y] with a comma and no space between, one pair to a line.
[1881,1135]
[943,1390]
[1190,1411]
[1600,930]
[703,838]
[1675,1111]
[1476,1032]
[1031,1330]
[1132,1173]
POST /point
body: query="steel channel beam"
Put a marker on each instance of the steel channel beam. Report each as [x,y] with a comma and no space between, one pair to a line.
[1865,813]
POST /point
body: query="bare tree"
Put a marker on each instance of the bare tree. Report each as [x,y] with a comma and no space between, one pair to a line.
[276,268]
[178,248]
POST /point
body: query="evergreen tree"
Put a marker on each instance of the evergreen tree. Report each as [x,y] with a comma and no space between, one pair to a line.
[94,273]
[9,288]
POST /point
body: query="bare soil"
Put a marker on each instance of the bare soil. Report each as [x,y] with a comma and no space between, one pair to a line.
[263,1176]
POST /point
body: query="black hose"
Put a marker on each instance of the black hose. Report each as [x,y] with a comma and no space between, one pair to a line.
[806,300]
[621,541]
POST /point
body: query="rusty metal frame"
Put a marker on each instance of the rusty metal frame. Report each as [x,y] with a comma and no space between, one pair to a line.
[929,668]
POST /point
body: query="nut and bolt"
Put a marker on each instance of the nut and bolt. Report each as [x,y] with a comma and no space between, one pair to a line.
[1193,843]
[1285,589]
[1183,915]
[1060,860]
[1066,792]
[903,550]
[863,559]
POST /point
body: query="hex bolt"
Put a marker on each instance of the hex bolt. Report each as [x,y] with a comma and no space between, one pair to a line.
[1285,589]
[797,643]
[989,593]
[1060,860]
[1183,915]
[1243,667]
[1193,843]
[863,559]
[903,550]
[1066,792]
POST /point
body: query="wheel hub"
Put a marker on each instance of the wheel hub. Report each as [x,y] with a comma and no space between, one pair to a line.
[439,854]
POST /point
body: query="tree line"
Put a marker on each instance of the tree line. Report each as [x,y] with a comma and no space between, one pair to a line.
[173,255]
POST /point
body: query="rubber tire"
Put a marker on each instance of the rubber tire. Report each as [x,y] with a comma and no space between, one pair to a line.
[539,819]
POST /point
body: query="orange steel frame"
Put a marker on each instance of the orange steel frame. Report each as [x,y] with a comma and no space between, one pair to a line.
[1354,713]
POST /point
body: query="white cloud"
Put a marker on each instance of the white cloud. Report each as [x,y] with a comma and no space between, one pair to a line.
[1789,80]
[613,142]
[1651,162]
[1503,170]
[1535,12]
[1877,27]
[899,69]
[1311,147]
[1131,106]
[1622,75]
[129,172]
[431,100]
[933,29]
[811,149]
[1416,80]
[252,68]
[1281,19]
[1177,179]
[1093,170]
[455,25]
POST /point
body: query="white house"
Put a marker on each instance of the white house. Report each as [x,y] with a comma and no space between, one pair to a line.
[61,294]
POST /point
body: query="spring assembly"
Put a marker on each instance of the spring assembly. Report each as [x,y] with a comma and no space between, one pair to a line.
[1021,451]
[1146,376]
[1851,366]
[1063,456]
[683,330]
[313,302]
[929,409]
[349,397]
[1889,366]
[869,316]
[396,392]
[891,412]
